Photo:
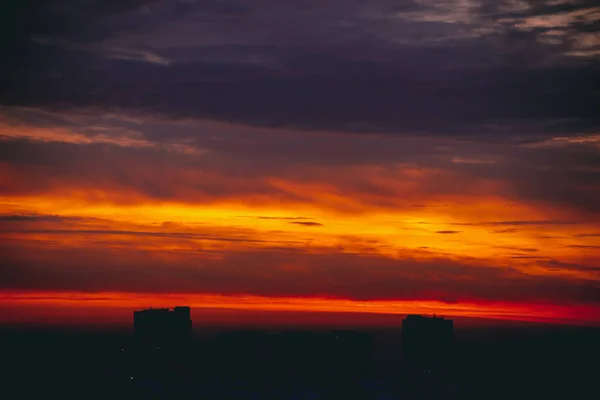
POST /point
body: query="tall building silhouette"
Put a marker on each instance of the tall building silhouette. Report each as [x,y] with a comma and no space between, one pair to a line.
[161,327]
[427,343]
[161,345]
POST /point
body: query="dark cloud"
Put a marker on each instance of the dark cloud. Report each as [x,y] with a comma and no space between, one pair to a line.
[480,77]
[306,223]
[172,235]
[523,249]
[572,266]
[34,218]
[419,67]
[370,169]
[448,232]
[279,273]
[509,230]
[520,256]
[283,218]
[587,235]
[45,167]
[520,223]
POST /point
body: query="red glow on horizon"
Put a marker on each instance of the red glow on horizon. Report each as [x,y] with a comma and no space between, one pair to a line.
[76,308]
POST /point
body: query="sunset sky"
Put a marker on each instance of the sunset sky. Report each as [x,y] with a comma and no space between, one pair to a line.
[300,159]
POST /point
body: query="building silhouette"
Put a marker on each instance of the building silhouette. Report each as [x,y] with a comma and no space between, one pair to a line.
[161,345]
[161,327]
[427,343]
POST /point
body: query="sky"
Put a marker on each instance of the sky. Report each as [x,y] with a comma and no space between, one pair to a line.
[302,159]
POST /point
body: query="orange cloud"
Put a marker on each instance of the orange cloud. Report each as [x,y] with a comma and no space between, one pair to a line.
[110,217]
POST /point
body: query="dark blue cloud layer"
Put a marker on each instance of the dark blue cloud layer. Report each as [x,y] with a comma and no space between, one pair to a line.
[397,67]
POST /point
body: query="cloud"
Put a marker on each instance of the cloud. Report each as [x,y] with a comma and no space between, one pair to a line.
[136,55]
[563,27]
[572,266]
[34,124]
[468,114]
[357,68]
[523,257]
[586,235]
[174,235]
[582,246]
[279,273]
[522,249]
[107,52]
[520,223]
[306,223]
[282,218]
[33,218]
[180,162]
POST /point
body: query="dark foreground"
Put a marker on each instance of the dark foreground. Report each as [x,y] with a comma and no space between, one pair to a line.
[561,363]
